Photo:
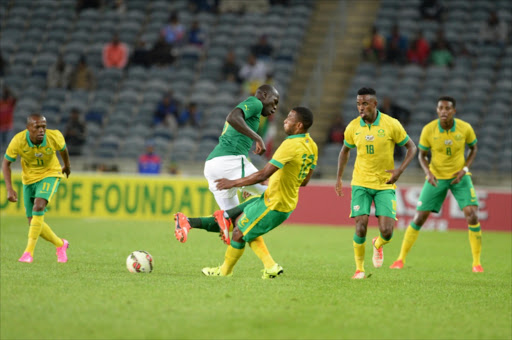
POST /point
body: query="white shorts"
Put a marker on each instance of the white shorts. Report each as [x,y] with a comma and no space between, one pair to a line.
[230,167]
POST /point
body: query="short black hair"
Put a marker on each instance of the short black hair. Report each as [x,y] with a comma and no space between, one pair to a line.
[305,116]
[34,116]
[366,90]
[448,99]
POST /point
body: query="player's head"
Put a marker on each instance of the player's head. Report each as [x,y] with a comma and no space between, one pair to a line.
[36,126]
[446,108]
[269,97]
[298,121]
[366,102]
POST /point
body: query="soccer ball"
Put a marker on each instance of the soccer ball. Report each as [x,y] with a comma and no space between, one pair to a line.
[139,261]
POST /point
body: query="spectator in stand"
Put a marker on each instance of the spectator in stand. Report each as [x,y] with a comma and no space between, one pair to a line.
[190,116]
[75,133]
[494,30]
[161,54]
[82,77]
[231,69]
[441,55]
[3,65]
[115,53]
[167,111]
[396,47]
[59,74]
[119,6]
[262,49]
[196,36]
[253,74]
[149,162]
[401,114]
[374,46]
[7,105]
[80,5]
[141,54]
[196,6]
[337,131]
[419,50]
[174,31]
[441,39]
[431,10]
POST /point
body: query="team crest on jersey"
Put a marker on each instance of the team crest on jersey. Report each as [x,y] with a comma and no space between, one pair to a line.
[38,155]
[381,133]
[419,203]
[369,138]
[356,208]
[458,137]
[448,142]
[48,151]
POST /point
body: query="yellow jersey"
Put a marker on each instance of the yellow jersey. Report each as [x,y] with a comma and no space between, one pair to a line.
[375,145]
[447,146]
[37,161]
[294,158]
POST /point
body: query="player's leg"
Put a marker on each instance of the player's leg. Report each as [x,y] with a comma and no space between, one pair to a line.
[233,253]
[465,195]
[360,204]
[385,210]
[431,199]
[34,220]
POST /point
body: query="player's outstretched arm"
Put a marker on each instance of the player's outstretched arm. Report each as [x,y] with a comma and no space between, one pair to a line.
[471,157]
[66,168]
[12,196]
[342,163]
[423,159]
[256,177]
[236,119]
[409,155]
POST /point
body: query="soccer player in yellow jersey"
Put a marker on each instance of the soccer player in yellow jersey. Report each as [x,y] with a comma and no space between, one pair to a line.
[41,174]
[446,139]
[374,134]
[290,168]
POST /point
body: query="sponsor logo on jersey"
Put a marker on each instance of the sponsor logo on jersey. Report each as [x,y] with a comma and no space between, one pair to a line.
[356,208]
[38,155]
[448,142]
[369,138]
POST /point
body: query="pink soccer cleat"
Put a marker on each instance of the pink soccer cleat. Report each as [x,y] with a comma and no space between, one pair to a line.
[398,264]
[26,257]
[62,257]
[182,226]
[478,269]
[378,255]
[359,275]
[224,225]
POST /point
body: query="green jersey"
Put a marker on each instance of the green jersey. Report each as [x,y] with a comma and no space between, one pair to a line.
[232,142]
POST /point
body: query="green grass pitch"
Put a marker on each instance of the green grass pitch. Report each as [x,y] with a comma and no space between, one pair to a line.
[93,296]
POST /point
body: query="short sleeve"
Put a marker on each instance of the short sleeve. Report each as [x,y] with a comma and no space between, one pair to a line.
[60,141]
[424,142]
[12,151]
[252,106]
[400,135]
[470,136]
[283,154]
[349,136]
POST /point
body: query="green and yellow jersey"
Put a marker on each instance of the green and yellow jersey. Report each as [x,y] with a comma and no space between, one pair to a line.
[232,142]
[37,161]
[447,146]
[375,145]
[294,158]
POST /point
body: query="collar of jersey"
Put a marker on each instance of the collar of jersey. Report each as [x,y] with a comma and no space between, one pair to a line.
[376,122]
[298,136]
[440,127]
[32,144]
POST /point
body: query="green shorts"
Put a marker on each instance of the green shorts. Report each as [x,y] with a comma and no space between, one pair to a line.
[432,198]
[362,198]
[257,219]
[45,188]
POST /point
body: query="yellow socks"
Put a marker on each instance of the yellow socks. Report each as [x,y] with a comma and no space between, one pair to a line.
[380,242]
[260,249]
[233,253]
[36,225]
[359,248]
[48,234]
[411,234]
[475,240]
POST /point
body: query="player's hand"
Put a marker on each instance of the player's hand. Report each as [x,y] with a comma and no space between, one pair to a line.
[260,147]
[458,177]
[66,170]
[395,175]
[224,183]
[338,187]
[432,179]
[12,196]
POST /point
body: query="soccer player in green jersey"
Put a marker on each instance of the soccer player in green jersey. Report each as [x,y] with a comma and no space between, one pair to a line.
[229,160]
[41,174]
[374,134]
[446,139]
[291,167]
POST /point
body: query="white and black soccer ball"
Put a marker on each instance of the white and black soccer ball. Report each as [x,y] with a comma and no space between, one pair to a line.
[139,261]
